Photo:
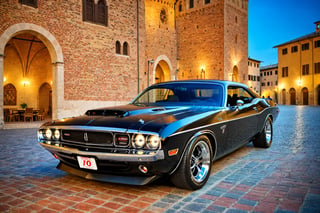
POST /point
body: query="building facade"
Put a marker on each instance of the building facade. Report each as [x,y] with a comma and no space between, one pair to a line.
[254,75]
[269,81]
[299,70]
[70,55]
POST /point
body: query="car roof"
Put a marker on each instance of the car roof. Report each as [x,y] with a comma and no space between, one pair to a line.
[223,82]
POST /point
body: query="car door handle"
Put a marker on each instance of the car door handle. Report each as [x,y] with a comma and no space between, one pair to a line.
[255,109]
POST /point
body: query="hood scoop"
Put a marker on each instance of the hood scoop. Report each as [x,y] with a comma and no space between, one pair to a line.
[124,112]
[106,112]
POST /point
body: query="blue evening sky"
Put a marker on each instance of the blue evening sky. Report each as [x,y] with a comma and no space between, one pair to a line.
[273,22]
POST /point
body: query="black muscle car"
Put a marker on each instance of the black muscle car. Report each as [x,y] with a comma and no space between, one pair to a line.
[174,128]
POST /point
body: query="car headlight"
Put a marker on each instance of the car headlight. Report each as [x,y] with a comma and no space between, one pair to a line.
[56,134]
[139,141]
[48,133]
[153,142]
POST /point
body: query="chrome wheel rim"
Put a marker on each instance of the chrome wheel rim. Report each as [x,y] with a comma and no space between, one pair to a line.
[200,161]
[268,131]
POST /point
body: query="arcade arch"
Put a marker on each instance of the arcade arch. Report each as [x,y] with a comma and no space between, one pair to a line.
[26,61]
[162,70]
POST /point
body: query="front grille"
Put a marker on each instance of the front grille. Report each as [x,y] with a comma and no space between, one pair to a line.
[79,138]
[96,140]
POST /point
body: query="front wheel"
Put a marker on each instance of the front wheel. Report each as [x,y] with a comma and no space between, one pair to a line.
[264,139]
[194,169]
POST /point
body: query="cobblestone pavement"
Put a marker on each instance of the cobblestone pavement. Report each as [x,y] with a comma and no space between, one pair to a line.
[283,178]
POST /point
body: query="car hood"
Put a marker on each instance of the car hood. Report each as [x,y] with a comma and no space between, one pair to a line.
[139,118]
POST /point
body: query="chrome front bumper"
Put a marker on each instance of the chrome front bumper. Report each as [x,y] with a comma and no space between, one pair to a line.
[157,155]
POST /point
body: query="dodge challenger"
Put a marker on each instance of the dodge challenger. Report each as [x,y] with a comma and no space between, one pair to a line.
[175,129]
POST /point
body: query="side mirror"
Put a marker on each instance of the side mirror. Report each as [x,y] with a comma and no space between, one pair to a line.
[240,102]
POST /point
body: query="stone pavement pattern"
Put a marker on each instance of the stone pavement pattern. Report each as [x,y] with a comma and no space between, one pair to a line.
[284,178]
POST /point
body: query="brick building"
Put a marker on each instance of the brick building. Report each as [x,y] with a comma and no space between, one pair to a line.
[70,55]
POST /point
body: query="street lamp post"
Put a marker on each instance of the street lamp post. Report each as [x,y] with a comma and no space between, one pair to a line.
[150,62]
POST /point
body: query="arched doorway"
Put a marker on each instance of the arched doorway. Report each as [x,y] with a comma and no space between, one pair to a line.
[37,35]
[45,99]
[292,92]
[162,72]
[318,89]
[305,96]
[275,97]
[235,74]
[284,97]
[159,75]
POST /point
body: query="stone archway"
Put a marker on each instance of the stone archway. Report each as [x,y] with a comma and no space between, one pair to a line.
[162,70]
[56,57]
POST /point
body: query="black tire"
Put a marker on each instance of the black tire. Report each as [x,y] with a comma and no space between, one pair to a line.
[264,139]
[194,169]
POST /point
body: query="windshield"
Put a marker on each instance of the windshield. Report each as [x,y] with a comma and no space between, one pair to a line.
[182,94]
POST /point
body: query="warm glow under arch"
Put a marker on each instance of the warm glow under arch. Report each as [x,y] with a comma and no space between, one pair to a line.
[162,69]
[56,56]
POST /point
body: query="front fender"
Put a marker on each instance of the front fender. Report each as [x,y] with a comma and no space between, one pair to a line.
[184,145]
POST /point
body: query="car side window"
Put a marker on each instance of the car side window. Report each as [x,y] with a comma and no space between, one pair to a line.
[238,93]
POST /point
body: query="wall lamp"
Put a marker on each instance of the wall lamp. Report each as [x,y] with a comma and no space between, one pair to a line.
[150,62]
[203,73]
[25,83]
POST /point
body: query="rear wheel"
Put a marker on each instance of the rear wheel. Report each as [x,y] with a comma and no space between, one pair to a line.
[194,169]
[264,139]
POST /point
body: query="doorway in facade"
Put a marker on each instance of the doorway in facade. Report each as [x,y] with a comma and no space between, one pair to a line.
[45,99]
[27,69]
[235,74]
[305,96]
[162,72]
[283,94]
[292,96]
[318,90]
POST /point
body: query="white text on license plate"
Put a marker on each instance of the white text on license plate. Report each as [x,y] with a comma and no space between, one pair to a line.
[87,163]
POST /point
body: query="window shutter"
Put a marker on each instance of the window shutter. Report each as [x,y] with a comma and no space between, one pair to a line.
[101,13]
[88,10]
[118,47]
[125,48]
[32,3]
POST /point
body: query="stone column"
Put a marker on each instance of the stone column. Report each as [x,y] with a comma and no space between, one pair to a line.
[57,90]
[1,91]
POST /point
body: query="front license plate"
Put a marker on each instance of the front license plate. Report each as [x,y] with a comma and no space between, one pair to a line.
[87,163]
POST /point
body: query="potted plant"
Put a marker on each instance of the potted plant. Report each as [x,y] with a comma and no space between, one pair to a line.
[23,105]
